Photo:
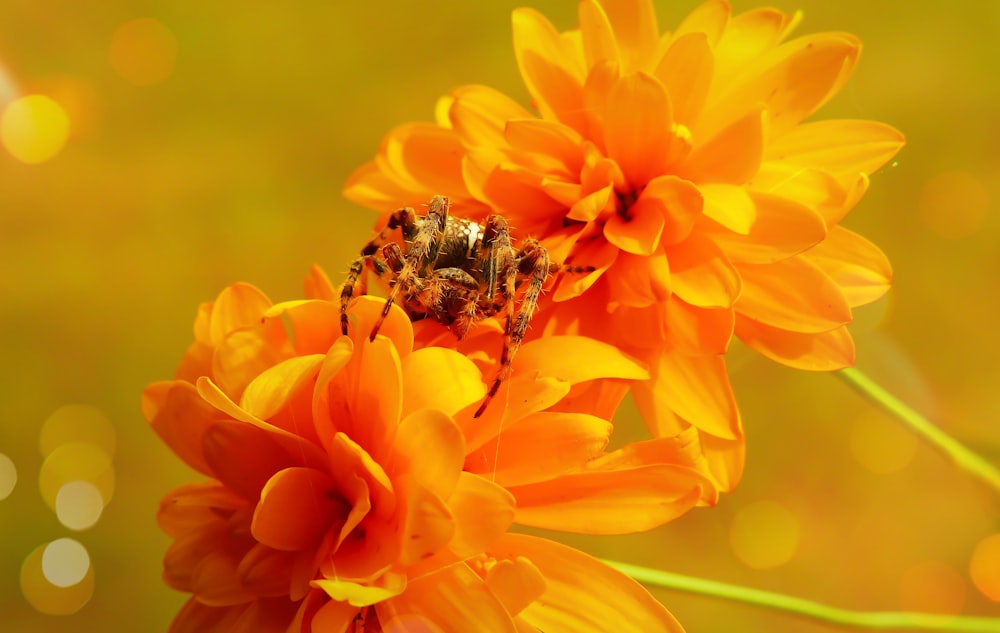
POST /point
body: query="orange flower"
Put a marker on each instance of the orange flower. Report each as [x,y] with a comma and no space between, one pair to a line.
[677,164]
[349,481]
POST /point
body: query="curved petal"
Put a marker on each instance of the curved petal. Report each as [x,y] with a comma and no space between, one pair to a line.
[709,17]
[516,583]
[457,382]
[553,140]
[842,146]
[794,295]
[822,351]
[180,417]
[610,502]
[678,200]
[696,330]
[427,526]
[479,114]
[599,44]
[637,231]
[639,281]
[482,511]
[575,359]
[541,446]
[780,228]
[686,70]
[238,306]
[273,388]
[637,128]
[858,267]
[701,275]
[635,30]
[297,507]
[244,457]
[315,323]
[733,155]
[430,448]
[452,599]
[694,387]
[582,593]
[424,154]
[243,354]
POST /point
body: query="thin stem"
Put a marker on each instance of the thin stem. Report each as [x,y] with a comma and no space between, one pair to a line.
[964,458]
[808,608]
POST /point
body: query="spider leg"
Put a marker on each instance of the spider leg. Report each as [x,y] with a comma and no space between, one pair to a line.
[532,260]
[422,253]
[404,219]
[357,283]
[453,298]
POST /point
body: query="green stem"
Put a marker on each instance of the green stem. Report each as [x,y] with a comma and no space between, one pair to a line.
[964,458]
[808,608]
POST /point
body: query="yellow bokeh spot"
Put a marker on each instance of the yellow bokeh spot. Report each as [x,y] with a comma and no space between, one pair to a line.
[76,461]
[65,562]
[880,444]
[50,598]
[77,423]
[984,567]
[764,534]
[932,587]
[8,476]
[79,505]
[954,204]
[143,51]
[34,128]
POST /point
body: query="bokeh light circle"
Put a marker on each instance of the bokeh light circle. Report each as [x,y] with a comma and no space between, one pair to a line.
[76,461]
[79,505]
[34,128]
[932,587]
[984,567]
[764,535]
[65,562]
[47,597]
[8,476]
[77,423]
[143,51]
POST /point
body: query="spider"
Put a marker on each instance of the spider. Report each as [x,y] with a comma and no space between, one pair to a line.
[457,272]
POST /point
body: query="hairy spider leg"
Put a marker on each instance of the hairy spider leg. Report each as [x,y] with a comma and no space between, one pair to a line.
[453,297]
[405,220]
[422,253]
[532,261]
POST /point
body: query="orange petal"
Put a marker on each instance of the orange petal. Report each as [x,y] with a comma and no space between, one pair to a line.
[686,71]
[858,267]
[458,384]
[638,231]
[197,617]
[329,402]
[583,593]
[598,37]
[792,81]
[374,396]
[397,327]
[482,512]
[639,281]
[733,155]
[452,599]
[245,353]
[598,253]
[635,31]
[427,525]
[360,595]
[244,457]
[781,228]
[730,206]
[613,502]
[349,463]
[265,571]
[332,616]
[272,389]
[480,113]
[822,351]
[637,124]
[701,274]
[748,36]
[315,323]
[525,393]
[794,295]
[840,146]
[424,153]
[516,583]
[694,387]
[576,359]
[541,446]
[296,508]
[679,201]
[815,188]
[180,417]
[238,306]
[709,17]
[374,188]
[549,139]
[318,286]
[552,74]
[725,458]
[696,330]
[430,448]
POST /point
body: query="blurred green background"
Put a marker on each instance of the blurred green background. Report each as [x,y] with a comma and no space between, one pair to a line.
[211,145]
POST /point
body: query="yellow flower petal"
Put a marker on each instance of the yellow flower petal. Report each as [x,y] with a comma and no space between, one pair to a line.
[516,583]
[541,446]
[635,31]
[709,17]
[525,393]
[240,305]
[427,525]
[453,599]
[732,156]
[427,154]
[858,267]
[583,594]
[599,44]
[639,281]
[821,351]
[609,502]
[793,295]
[638,231]
[697,330]
[244,457]
[701,275]
[679,201]
[482,510]
[458,382]
[180,417]
[429,447]
[549,139]
[315,323]
[272,389]
[748,36]
[359,595]
[780,228]
[839,146]
[296,508]
[685,70]
[694,387]
[480,113]
[637,124]
[576,359]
